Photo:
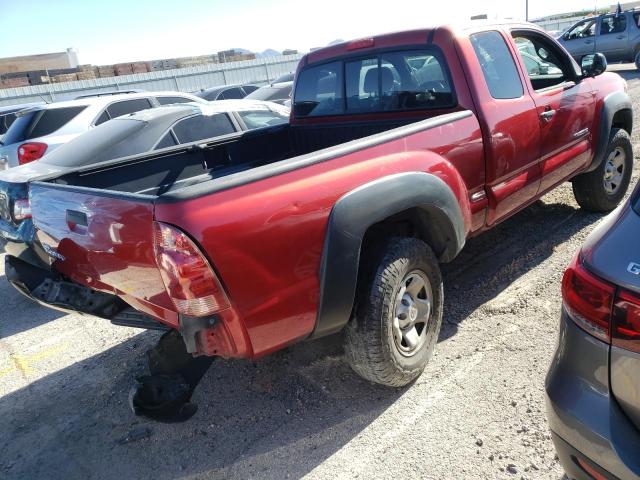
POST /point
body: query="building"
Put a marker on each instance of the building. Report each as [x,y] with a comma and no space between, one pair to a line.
[45,61]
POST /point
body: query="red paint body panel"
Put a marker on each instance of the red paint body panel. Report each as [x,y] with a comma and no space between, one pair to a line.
[265,238]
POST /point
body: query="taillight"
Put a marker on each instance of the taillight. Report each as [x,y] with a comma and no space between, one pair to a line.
[28,152]
[21,210]
[588,300]
[190,281]
[625,329]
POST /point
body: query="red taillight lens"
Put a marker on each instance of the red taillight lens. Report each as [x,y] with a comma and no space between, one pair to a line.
[625,331]
[21,210]
[362,43]
[588,300]
[190,281]
[28,152]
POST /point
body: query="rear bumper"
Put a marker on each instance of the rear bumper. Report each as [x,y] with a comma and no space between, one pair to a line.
[18,241]
[586,421]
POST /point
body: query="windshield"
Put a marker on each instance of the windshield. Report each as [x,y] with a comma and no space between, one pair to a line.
[270,93]
[262,118]
[40,123]
[114,139]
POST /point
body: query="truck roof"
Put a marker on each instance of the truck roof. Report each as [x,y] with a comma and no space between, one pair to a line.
[408,37]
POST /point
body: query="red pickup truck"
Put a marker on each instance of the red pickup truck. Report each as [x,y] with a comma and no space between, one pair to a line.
[399,148]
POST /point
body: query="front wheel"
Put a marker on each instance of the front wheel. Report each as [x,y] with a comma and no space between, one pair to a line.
[604,188]
[398,314]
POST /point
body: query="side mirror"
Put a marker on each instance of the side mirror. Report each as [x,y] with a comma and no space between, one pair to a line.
[593,64]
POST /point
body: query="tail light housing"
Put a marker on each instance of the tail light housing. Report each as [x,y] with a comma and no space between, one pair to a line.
[191,283]
[588,300]
[603,310]
[30,151]
[21,210]
[625,328]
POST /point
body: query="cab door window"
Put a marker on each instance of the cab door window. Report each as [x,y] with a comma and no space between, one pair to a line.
[542,60]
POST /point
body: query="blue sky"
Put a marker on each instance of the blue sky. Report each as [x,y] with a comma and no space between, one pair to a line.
[127,30]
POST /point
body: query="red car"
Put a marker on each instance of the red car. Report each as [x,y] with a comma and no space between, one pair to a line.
[399,148]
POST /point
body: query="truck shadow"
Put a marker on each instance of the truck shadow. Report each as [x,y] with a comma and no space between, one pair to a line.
[494,260]
[279,417]
[19,313]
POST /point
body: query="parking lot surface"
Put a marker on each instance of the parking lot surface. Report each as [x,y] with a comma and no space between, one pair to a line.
[476,412]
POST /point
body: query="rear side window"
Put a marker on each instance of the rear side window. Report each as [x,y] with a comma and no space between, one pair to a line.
[128,106]
[394,81]
[613,24]
[498,66]
[40,123]
[200,127]
[319,91]
[169,100]
[6,121]
[166,141]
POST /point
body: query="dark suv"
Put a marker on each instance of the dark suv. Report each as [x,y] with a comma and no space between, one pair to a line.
[615,35]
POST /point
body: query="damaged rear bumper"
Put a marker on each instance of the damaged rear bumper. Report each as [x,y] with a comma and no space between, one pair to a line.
[50,289]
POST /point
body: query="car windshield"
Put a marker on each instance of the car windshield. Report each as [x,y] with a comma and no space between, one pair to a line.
[270,93]
[114,139]
[262,118]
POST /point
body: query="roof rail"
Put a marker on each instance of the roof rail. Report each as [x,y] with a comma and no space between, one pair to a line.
[106,94]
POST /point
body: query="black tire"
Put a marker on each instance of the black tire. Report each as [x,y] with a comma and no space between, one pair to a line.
[371,347]
[589,188]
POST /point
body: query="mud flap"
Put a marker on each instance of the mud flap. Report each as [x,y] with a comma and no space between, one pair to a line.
[165,394]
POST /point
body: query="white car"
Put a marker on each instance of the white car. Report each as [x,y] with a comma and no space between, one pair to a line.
[41,129]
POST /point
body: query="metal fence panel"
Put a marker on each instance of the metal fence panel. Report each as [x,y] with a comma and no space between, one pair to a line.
[189,79]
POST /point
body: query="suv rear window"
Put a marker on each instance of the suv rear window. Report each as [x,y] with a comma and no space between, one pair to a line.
[39,123]
[393,81]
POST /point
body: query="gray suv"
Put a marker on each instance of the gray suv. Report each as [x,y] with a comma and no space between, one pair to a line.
[616,36]
[593,384]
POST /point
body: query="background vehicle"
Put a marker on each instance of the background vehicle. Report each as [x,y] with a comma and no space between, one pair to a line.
[616,36]
[593,386]
[132,134]
[276,92]
[287,77]
[226,92]
[338,220]
[41,129]
[8,114]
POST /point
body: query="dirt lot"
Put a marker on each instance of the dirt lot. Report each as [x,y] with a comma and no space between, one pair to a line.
[476,412]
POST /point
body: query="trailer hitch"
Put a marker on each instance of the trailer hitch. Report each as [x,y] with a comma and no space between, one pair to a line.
[165,394]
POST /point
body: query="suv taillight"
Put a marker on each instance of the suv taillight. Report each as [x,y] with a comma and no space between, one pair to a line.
[588,300]
[601,309]
[28,152]
[21,209]
[625,328]
[190,281]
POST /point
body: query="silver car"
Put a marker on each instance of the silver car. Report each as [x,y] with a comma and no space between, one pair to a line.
[617,36]
[593,384]
[39,130]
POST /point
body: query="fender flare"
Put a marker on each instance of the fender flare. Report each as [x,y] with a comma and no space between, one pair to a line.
[612,104]
[363,207]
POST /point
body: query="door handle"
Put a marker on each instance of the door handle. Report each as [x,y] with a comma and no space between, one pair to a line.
[547,115]
[620,37]
[588,41]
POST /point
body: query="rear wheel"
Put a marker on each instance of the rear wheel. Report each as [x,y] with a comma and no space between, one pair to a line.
[604,188]
[398,314]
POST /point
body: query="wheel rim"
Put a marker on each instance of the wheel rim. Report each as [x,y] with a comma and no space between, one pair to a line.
[614,170]
[412,310]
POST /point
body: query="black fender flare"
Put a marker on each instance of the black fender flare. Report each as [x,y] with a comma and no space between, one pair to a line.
[613,103]
[363,207]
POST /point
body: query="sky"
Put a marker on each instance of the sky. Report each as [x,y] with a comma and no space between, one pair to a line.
[128,30]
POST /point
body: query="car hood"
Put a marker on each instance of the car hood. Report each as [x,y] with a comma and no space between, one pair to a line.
[30,171]
[611,251]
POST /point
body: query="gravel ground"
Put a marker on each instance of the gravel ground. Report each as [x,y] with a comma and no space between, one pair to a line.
[476,412]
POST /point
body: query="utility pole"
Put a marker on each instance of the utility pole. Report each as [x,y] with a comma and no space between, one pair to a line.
[526,14]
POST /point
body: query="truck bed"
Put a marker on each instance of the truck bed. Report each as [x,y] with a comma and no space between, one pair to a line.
[164,174]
